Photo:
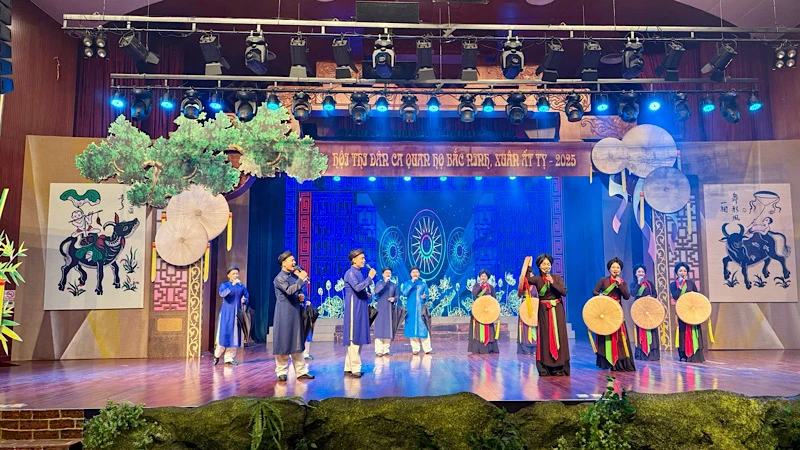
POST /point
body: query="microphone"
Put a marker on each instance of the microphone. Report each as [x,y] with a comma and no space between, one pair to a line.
[300,268]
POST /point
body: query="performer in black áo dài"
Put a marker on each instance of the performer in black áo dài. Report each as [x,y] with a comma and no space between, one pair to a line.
[482,337]
[689,339]
[648,347]
[616,356]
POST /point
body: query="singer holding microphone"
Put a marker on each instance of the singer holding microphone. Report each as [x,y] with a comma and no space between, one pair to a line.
[229,335]
[690,341]
[415,329]
[355,331]
[289,336]
[617,355]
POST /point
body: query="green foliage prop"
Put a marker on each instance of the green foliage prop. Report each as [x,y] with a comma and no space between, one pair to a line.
[10,261]
[603,423]
[195,154]
[504,434]
[104,430]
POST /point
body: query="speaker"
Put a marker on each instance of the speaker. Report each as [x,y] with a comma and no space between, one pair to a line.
[395,12]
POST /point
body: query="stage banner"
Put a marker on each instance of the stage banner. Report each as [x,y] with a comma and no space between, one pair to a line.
[485,159]
[749,240]
[95,248]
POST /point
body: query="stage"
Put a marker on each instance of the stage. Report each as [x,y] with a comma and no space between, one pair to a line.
[88,384]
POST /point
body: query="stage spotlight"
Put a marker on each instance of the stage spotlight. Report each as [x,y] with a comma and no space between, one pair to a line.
[653,103]
[301,107]
[591,60]
[433,104]
[383,57]
[273,102]
[372,178]
[216,102]
[632,58]
[166,101]
[409,108]
[328,103]
[548,69]
[425,61]
[382,105]
[628,107]
[601,103]
[344,61]
[672,60]
[680,107]
[753,102]
[478,178]
[359,107]
[212,53]
[729,108]
[512,178]
[337,178]
[141,106]
[88,40]
[117,100]
[466,108]
[406,178]
[246,105]
[542,104]
[136,50]
[442,178]
[100,40]
[573,108]
[488,105]
[717,65]
[298,50]
[512,59]
[516,108]
[469,61]
[191,106]
[256,54]
[707,104]
[94,44]
[548,177]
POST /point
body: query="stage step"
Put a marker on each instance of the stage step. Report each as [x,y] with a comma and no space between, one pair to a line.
[455,328]
[49,444]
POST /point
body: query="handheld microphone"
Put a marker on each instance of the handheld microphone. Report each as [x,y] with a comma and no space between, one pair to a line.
[300,268]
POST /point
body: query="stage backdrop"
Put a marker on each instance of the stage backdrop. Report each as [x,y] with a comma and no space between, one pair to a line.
[749,243]
[450,228]
[95,248]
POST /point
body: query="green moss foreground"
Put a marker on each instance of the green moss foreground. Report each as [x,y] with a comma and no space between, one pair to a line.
[693,420]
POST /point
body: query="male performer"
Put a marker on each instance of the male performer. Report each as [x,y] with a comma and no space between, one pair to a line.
[387,294]
[289,336]
[415,329]
[234,296]
[355,331]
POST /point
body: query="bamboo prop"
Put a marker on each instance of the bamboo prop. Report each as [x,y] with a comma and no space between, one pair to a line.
[153,263]
[3,197]
[230,231]
[206,259]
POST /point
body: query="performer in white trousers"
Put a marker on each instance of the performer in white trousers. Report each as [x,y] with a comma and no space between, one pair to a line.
[289,333]
[355,331]
[415,329]
[229,335]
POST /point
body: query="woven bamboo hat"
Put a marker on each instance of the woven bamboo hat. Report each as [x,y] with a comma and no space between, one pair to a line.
[529,312]
[603,315]
[181,241]
[693,308]
[486,309]
[648,313]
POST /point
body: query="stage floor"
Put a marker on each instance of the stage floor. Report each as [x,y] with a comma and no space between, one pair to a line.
[88,384]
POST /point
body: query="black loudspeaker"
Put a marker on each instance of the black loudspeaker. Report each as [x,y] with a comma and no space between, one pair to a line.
[395,12]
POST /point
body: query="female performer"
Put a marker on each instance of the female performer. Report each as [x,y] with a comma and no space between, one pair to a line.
[649,346]
[615,355]
[552,350]
[689,340]
[229,336]
[482,337]
[416,291]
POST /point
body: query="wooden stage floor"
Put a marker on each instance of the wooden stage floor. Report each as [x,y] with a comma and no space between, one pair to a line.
[88,384]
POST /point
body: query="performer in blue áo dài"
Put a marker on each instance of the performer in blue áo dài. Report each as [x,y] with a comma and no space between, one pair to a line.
[648,346]
[386,291]
[289,334]
[416,291]
[355,331]
[229,335]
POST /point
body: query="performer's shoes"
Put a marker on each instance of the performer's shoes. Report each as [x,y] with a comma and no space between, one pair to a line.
[378,354]
[387,354]
[231,363]
[415,353]
[282,377]
[306,376]
[430,352]
[216,360]
[308,357]
[356,374]
[347,372]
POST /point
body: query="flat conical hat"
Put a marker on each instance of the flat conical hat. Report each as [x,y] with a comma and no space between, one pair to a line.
[529,312]
[197,203]
[647,313]
[603,315]
[181,241]
[486,309]
[693,308]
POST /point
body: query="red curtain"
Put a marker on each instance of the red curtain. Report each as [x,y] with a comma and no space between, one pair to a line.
[93,113]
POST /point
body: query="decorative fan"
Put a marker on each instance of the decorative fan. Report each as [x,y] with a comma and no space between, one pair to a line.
[181,241]
[198,204]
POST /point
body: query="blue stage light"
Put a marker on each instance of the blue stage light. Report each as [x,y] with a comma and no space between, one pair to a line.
[654,105]
[478,178]
[337,178]
[512,178]
[707,104]
[382,105]
[488,105]
[329,104]
[433,104]
[548,177]
[372,178]
[753,103]
[117,100]
[406,178]
[273,102]
[442,178]
[215,102]
[167,103]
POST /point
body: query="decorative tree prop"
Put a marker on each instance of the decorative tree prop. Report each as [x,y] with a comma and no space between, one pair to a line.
[10,257]
[195,154]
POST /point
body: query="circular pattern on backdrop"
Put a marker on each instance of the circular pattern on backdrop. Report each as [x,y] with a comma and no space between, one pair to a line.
[649,147]
[458,250]
[667,190]
[392,248]
[426,244]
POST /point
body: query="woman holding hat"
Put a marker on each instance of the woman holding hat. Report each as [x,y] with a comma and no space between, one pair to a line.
[689,340]
[648,347]
[229,335]
[614,351]
[552,349]
[482,337]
